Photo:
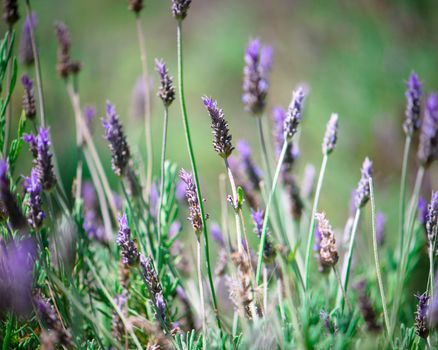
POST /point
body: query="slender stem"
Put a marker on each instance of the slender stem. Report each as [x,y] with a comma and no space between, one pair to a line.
[403,193]
[431,270]
[147,104]
[376,257]
[195,169]
[344,294]
[347,263]
[312,219]
[9,107]
[201,289]
[265,288]
[266,216]
[160,206]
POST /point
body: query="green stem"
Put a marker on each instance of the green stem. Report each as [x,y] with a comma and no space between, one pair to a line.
[347,263]
[160,206]
[376,257]
[403,193]
[201,289]
[266,216]
[195,169]
[431,269]
[312,219]
[8,114]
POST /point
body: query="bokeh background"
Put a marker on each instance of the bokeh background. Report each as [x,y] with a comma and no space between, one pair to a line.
[354,55]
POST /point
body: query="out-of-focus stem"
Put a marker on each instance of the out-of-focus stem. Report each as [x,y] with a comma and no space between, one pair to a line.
[201,291]
[9,107]
[403,193]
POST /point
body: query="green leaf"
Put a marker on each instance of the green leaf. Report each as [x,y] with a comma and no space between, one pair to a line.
[17,144]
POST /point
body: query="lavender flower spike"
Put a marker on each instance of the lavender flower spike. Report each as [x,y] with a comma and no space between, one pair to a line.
[362,192]
[129,250]
[117,141]
[413,96]
[180,8]
[421,316]
[432,217]
[29,106]
[166,91]
[26,52]
[135,5]
[64,43]
[221,133]
[293,115]
[269,250]
[10,12]
[331,135]
[428,144]
[380,228]
[258,63]
[328,253]
[195,216]
[33,188]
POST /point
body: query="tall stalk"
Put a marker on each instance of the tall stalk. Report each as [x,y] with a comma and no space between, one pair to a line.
[312,219]
[147,104]
[403,193]
[376,257]
[201,290]
[194,168]
[8,113]
[160,205]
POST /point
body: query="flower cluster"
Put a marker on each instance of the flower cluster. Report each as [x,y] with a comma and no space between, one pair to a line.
[195,216]
[26,51]
[432,217]
[65,65]
[362,192]
[428,144]
[166,91]
[28,97]
[413,99]
[269,252]
[33,188]
[180,8]
[421,316]
[294,113]
[327,251]
[10,12]
[331,135]
[130,254]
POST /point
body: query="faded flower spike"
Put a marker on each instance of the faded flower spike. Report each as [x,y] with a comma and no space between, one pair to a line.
[26,52]
[331,135]
[166,91]
[180,8]
[221,134]
[258,64]
[413,99]
[64,43]
[293,115]
[421,316]
[362,192]
[10,12]
[428,144]
[117,141]
[432,217]
[32,187]
[28,97]
[135,5]
[195,216]
[40,148]
[128,248]
[328,253]
[269,250]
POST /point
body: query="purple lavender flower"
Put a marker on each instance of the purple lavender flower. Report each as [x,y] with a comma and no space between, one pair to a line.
[293,115]
[64,43]
[117,141]
[362,193]
[331,135]
[195,216]
[380,228]
[26,52]
[422,212]
[258,63]
[89,115]
[329,325]
[180,190]
[10,12]
[33,189]
[328,253]
[154,200]
[421,315]
[413,99]
[432,217]
[180,8]
[17,261]
[135,5]
[28,97]
[269,250]
[92,225]
[216,234]
[8,199]
[128,248]
[221,133]
[428,144]
[166,91]
[366,308]
[252,171]
[40,148]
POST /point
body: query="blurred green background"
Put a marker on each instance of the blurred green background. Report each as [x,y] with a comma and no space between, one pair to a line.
[354,55]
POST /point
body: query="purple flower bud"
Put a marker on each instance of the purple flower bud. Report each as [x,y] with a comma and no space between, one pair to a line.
[432,217]
[252,171]
[135,5]
[413,96]
[166,91]
[258,63]
[10,12]
[217,235]
[421,315]
[40,148]
[128,248]
[380,228]
[293,115]
[32,187]
[428,143]
[362,193]
[26,52]
[28,97]
[89,114]
[331,135]
[221,133]
[92,225]
[195,216]
[117,141]
[180,8]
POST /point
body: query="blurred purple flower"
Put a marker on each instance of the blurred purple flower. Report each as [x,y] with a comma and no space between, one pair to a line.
[380,228]
[180,8]
[10,12]
[25,51]
[294,113]
[89,115]
[421,315]
[428,143]
[127,246]
[432,217]
[166,91]
[331,135]
[413,99]
[192,199]
[29,106]
[362,192]
[32,186]
[251,170]
[216,234]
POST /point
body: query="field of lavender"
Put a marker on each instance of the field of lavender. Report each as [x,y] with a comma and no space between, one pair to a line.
[130,254]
